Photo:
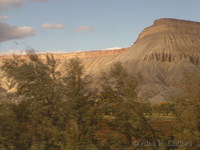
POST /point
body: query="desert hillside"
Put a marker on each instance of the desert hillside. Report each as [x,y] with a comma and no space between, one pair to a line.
[91,60]
[161,55]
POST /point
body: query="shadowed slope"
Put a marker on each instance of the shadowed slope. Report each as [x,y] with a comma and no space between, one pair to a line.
[90,59]
[161,54]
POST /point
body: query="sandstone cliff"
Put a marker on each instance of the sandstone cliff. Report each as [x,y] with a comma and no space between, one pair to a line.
[161,54]
[90,59]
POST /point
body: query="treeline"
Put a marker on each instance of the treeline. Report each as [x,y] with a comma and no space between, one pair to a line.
[51,110]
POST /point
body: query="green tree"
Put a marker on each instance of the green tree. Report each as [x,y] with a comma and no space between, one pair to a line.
[188,112]
[119,93]
[41,112]
[53,110]
[82,103]
[164,108]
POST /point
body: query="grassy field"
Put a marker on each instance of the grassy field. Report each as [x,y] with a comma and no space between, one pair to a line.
[162,117]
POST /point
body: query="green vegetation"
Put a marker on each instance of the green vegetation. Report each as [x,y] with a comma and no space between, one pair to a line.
[51,110]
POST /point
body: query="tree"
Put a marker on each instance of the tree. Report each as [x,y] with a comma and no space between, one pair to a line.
[53,110]
[164,108]
[188,112]
[82,103]
[119,93]
[40,112]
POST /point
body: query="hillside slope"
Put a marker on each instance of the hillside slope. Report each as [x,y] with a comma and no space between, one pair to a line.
[161,55]
[91,60]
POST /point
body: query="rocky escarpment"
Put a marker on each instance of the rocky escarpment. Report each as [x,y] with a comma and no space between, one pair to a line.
[179,39]
[90,59]
[170,26]
[161,55]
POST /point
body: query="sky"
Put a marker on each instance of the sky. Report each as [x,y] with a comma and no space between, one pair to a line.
[79,25]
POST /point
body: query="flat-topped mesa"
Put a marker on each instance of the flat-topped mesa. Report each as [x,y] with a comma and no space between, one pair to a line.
[170,20]
[81,54]
[92,61]
[91,54]
[169,40]
[171,26]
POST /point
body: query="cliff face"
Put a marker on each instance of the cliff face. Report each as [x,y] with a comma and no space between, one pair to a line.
[90,59]
[161,54]
[170,40]
[173,26]
[179,40]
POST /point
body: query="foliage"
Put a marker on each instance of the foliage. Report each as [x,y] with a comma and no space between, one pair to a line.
[50,110]
[188,112]
[82,104]
[164,108]
[119,94]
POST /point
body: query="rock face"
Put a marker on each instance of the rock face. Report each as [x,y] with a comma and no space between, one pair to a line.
[90,59]
[161,54]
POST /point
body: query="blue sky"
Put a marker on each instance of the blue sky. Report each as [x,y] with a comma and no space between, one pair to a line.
[74,25]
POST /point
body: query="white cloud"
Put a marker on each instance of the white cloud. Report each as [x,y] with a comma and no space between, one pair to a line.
[13,52]
[41,0]
[3,17]
[113,48]
[23,52]
[52,26]
[84,28]
[16,3]
[8,32]
[10,3]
